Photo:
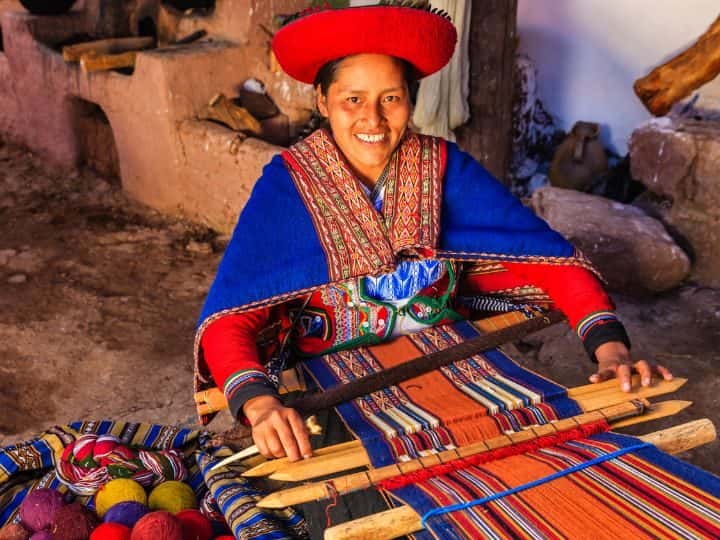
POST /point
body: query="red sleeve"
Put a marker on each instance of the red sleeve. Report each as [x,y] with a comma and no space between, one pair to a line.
[229,344]
[573,290]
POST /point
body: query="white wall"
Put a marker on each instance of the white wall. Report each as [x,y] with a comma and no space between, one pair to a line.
[590,52]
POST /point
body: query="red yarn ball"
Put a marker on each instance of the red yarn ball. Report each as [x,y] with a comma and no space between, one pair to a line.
[195,525]
[73,522]
[111,531]
[225,537]
[158,525]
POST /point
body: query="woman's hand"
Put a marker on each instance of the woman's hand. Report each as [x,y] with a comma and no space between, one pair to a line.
[278,431]
[614,360]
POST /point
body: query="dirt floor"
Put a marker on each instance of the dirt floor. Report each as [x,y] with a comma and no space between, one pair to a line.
[99,299]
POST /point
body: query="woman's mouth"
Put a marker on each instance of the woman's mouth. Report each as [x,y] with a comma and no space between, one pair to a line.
[372,138]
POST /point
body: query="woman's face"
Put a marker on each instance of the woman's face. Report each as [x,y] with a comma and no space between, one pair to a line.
[368,108]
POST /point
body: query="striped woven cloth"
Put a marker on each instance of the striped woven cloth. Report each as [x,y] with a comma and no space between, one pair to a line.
[643,493]
[32,464]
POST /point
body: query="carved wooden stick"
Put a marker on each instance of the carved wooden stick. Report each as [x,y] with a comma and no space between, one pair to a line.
[676,79]
[357,457]
[354,482]
[73,53]
[404,520]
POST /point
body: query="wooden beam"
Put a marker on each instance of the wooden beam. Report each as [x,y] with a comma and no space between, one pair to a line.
[354,482]
[354,455]
[73,53]
[404,520]
[90,63]
[349,459]
[678,78]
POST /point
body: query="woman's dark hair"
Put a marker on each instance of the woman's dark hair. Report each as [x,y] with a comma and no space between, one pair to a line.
[326,76]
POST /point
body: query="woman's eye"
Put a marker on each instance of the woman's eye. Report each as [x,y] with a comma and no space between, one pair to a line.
[392,99]
[353,99]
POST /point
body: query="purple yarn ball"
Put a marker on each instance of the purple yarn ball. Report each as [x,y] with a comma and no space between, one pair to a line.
[126,513]
[39,508]
[42,535]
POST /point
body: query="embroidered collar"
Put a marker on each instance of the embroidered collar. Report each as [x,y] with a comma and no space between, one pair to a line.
[356,238]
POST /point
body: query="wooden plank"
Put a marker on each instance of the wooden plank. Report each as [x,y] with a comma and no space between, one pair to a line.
[404,520]
[73,53]
[354,482]
[307,469]
[90,63]
[657,410]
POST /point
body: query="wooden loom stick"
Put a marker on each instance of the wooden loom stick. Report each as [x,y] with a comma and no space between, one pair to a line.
[353,482]
[404,520]
[208,400]
[73,53]
[329,464]
[362,480]
[90,63]
[677,78]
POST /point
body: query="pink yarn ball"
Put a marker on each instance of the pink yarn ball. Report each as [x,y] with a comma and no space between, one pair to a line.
[42,535]
[38,509]
[158,525]
[111,531]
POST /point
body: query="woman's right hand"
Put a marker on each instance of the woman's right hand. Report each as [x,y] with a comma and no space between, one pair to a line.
[278,431]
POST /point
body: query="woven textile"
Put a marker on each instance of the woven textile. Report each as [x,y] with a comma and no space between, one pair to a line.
[31,465]
[470,400]
[643,493]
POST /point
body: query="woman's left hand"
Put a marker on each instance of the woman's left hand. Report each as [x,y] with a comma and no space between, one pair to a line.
[614,360]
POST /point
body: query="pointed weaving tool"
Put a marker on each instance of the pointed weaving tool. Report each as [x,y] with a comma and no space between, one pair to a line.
[313,427]
[545,435]
[602,395]
[404,520]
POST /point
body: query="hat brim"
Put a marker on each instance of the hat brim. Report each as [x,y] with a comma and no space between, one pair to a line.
[424,39]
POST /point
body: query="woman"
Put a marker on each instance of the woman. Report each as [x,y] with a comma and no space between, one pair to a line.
[368,231]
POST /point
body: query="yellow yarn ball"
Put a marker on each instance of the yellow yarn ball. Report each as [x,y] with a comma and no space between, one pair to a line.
[117,491]
[172,496]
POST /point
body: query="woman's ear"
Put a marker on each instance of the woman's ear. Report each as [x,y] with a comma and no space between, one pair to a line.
[321,101]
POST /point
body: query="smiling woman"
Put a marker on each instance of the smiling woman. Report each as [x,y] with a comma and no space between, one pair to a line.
[368,231]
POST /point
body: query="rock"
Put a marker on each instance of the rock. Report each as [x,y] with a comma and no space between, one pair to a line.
[17,279]
[199,247]
[680,161]
[631,250]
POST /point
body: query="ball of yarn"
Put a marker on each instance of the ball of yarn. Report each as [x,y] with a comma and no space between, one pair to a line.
[172,496]
[225,537]
[195,525]
[41,535]
[111,531]
[14,531]
[73,522]
[39,508]
[126,513]
[157,526]
[117,491]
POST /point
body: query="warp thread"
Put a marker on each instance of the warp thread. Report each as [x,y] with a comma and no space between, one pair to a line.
[91,461]
[582,431]
[512,491]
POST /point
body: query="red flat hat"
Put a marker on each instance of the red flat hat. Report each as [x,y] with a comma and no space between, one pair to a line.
[426,40]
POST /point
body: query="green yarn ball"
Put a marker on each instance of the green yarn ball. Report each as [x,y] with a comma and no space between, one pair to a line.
[172,496]
[117,491]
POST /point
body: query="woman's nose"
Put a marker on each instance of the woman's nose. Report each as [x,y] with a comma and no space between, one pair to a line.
[374,113]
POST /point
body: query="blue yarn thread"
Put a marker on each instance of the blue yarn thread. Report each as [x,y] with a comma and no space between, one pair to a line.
[534,483]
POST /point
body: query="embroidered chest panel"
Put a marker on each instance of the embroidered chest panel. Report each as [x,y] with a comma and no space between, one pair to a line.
[356,238]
